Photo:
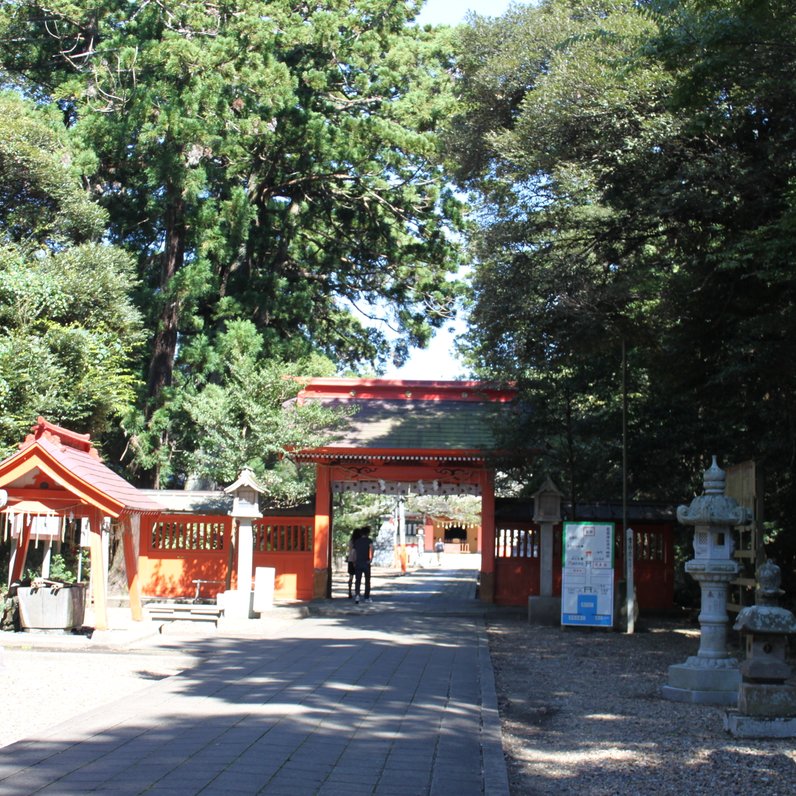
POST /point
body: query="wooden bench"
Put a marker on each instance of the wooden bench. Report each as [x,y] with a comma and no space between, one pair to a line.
[184,611]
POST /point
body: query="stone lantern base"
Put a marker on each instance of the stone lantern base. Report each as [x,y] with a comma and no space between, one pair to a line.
[544,610]
[704,682]
[767,700]
[758,726]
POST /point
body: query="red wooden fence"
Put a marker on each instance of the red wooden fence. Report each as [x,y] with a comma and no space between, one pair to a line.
[517,570]
[178,549]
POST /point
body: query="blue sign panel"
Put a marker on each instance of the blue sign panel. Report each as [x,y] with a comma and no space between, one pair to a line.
[587,575]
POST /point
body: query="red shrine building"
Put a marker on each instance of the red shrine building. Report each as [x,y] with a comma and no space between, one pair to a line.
[57,475]
[395,438]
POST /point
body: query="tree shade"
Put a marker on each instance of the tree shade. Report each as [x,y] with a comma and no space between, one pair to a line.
[633,164]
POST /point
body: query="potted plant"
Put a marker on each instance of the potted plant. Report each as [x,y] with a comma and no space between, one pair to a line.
[9,613]
[57,603]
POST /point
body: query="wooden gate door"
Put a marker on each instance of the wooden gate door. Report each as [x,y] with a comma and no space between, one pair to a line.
[516,563]
[286,544]
[179,549]
[653,565]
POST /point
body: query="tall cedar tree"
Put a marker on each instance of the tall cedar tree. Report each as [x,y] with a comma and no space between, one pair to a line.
[265,161]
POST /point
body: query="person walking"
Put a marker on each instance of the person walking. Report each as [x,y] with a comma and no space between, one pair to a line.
[363,550]
[351,559]
[439,548]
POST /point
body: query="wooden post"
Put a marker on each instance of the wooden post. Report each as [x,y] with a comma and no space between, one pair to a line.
[98,573]
[21,553]
[487,588]
[47,558]
[230,536]
[129,529]
[322,582]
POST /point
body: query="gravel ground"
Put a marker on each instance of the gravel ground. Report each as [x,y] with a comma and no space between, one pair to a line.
[42,689]
[581,713]
[581,710]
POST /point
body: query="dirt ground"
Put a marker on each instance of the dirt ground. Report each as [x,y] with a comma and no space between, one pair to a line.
[581,713]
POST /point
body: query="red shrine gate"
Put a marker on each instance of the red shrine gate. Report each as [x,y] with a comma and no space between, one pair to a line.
[400,437]
[420,436]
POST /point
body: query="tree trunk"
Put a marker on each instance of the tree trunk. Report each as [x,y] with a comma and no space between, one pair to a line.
[164,346]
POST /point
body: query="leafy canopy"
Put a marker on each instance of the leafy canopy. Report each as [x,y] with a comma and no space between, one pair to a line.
[68,328]
[633,167]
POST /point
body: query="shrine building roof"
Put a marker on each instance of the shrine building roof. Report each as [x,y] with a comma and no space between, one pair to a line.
[58,470]
[415,419]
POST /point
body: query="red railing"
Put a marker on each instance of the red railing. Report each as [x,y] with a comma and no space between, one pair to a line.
[281,535]
[177,550]
[188,532]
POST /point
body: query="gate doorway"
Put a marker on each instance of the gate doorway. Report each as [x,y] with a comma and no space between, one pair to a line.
[419,437]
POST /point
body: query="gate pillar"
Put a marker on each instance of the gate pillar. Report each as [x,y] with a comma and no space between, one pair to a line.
[486,590]
[322,583]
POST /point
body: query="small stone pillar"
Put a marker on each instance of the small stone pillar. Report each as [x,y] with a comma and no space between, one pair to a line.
[245,508]
[766,703]
[711,676]
[544,608]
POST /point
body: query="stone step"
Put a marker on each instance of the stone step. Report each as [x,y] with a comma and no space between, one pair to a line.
[184,611]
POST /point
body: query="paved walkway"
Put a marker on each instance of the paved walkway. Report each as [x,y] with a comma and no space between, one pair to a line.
[394,697]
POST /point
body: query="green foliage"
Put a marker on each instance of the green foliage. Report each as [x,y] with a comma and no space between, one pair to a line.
[292,154]
[462,509]
[229,411]
[270,163]
[61,571]
[68,329]
[634,165]
[557,113]
[40,198]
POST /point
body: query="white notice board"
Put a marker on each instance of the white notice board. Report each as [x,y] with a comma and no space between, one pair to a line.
[587,574]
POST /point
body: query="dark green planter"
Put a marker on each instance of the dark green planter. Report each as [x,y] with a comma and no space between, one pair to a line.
[52,607]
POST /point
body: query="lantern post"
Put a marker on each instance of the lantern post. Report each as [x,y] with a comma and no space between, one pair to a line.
[545,608]
[712,675]
[245,508]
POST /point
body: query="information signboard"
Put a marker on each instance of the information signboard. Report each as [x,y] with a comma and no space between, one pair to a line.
[587,574]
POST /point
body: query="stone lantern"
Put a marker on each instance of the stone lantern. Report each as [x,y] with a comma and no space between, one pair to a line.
[245,495]
[766,703]
[712,675]
[544,608]
[245,508]
[547,503]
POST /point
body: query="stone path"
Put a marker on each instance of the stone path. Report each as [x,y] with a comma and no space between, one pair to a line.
[393,697]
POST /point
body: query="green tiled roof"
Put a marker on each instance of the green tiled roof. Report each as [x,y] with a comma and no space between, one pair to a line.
[426,425]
